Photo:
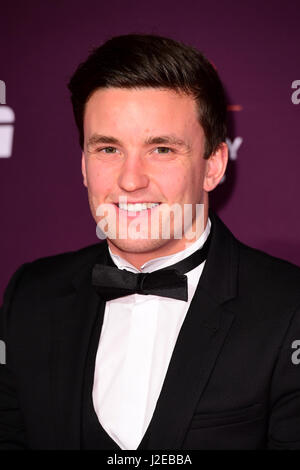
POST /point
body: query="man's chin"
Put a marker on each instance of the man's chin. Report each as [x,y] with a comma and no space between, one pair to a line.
[138,245]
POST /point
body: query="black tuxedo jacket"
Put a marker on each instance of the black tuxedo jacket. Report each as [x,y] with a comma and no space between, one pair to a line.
[232,383]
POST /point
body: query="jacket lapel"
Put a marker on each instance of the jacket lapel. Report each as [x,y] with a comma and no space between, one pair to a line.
[198,346]
[72,330]
[199,343]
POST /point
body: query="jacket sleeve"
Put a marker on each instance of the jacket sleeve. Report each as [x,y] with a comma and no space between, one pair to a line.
[284,422]
[12,428]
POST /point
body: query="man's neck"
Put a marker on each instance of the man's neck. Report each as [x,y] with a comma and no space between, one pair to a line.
[138,259]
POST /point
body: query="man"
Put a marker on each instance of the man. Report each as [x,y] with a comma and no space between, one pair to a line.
[170,334]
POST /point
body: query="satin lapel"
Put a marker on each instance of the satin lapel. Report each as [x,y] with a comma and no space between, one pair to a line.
[198,346]
[72,329]
[199,343]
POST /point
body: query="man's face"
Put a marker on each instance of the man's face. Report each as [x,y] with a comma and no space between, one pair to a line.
[144,146]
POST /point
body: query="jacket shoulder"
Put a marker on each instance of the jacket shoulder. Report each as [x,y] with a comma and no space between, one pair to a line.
[56,270]
[267,275]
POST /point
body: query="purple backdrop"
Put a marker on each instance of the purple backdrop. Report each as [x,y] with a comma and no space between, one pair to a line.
[255,47]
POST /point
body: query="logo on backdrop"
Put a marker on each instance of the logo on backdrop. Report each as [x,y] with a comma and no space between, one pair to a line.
[7,119]
[233,145]
[295,97]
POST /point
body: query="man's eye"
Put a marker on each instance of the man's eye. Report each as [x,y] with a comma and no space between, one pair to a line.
[107,150]
[164,150]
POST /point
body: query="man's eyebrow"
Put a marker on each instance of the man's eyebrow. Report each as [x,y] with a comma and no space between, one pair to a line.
[152,140]
[167,140]
[102,139]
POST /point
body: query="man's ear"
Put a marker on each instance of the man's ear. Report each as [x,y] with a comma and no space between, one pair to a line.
[215,167]
[83,169]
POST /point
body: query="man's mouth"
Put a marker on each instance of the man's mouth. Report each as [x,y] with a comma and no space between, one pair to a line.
[137,207]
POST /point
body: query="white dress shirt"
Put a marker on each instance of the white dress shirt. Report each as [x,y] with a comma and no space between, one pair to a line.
[137,340]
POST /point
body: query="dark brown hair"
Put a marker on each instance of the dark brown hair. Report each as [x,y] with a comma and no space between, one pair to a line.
[146,60]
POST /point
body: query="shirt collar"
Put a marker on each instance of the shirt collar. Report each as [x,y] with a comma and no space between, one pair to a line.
[163,261]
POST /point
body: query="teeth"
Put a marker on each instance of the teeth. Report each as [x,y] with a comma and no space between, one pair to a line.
[138,207]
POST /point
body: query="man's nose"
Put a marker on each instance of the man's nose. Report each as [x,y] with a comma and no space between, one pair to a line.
[133,174]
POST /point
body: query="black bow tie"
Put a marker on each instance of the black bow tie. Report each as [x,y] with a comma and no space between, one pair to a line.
[111,282]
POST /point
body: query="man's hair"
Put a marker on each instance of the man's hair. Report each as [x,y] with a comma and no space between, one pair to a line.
[146,60]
